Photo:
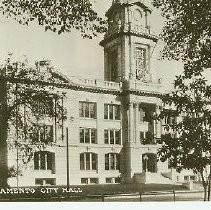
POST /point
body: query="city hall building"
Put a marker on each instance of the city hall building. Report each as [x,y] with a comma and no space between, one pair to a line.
[110,135]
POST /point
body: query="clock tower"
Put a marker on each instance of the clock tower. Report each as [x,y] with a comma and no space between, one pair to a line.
[129,42]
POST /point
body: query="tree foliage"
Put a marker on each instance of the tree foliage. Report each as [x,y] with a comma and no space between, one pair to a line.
[56,15]
[29,96]
[186,142]
[187,33]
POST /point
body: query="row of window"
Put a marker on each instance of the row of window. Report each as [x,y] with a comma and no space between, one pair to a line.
[89,136]
[89,161]
[109,180]
[52,181]
[89,110]
[44,160]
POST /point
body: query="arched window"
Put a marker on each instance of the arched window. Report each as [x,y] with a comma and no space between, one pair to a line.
[44,160]
[112,161]
[88,161]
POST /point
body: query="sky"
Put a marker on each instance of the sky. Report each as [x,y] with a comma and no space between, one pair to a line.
[70,53]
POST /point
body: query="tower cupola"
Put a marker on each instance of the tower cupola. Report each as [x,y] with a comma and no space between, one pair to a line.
[128,42]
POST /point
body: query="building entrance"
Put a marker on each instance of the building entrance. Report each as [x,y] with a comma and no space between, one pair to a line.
[149,162]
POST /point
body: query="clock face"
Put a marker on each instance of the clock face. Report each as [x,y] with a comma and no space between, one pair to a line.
[137,15]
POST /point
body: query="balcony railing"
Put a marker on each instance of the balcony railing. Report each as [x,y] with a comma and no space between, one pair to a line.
[148,87]
[97,83]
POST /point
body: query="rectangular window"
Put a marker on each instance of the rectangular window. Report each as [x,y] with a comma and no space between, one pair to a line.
[106,137]
[117,179]
[81,135]
[81,109]
[105,112]
[45,181]
[84,180]
[113,64]
[88,135]
[109,180]
[112,137]
[89,180]
[94,162]
[44,160]
[92,110]
[117,112]
[93,136]
[94,180]
[106,161]
[112,112]
[112,161]
[88,161]
[87,110]
[42,133]
[82,162]
[117,137]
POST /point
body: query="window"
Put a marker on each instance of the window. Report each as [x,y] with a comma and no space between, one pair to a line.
[88,161]
[88,135]
[41,133]
[186,178]
[94,180]
[140,62]
[89,181]
[113,65]
[112,112]
[109,180]
[84,180]
[112,180]
[112,136]
[192,178]
[87,110]
[45,182]
[44,160]
[147,138]
[112,161]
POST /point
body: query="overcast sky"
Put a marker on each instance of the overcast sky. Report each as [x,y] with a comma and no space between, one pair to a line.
[70,53]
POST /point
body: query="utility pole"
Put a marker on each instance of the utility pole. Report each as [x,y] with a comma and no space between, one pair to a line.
[17,154]
[68,173]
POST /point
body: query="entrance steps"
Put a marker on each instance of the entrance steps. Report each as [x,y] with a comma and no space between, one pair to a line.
[152,178]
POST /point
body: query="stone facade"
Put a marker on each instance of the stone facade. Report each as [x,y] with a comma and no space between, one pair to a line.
[111,132]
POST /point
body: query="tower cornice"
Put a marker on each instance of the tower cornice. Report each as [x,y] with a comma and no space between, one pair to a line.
[128,33]
[126,3]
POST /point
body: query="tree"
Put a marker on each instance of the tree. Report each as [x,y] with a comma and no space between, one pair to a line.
[187,33]
[187,140]
[27,95]
[187,37]
[56,15]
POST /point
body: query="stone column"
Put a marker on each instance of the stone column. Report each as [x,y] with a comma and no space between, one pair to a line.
[131,123]
[158,124]
[137,120]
